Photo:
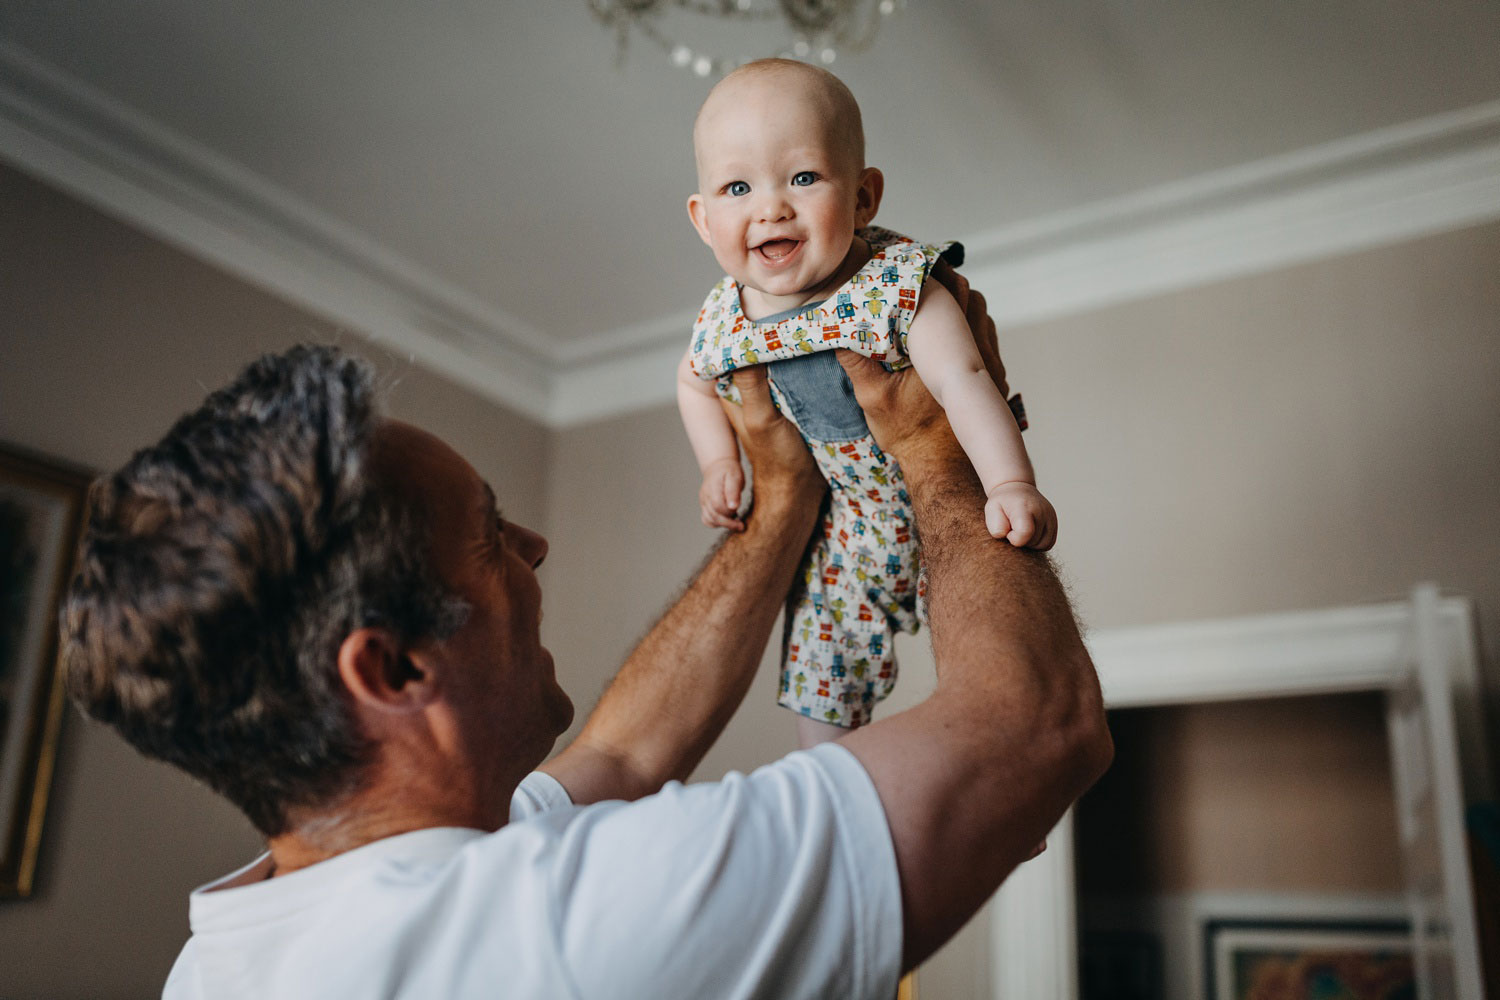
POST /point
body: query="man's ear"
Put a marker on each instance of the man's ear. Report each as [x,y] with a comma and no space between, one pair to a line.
[698,213]
[382,675]
[867,197]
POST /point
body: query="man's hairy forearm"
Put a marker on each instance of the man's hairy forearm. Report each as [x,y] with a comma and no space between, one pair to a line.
[1004,638]
[984,596]
[683,682]
[973,777]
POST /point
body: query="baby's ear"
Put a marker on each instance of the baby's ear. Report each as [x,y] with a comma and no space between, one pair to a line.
[698,214]
[867,197]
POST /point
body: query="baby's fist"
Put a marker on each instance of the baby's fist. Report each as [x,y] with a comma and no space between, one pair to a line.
[1018,513]
[719,497]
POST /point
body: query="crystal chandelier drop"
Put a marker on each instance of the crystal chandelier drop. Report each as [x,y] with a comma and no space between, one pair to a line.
[820,29]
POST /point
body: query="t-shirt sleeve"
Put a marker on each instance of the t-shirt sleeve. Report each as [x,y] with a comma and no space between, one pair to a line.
[537,793]
[779,884]
[182,982]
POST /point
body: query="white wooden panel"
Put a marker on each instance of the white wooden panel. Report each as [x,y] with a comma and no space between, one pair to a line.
[1034,924]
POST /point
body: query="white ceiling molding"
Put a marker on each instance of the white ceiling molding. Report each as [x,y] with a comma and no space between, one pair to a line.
[1383,187]
[85,142]
[1360,648]
[1375,189]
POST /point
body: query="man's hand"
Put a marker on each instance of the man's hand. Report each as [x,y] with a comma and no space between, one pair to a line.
[902,415]
[781,467]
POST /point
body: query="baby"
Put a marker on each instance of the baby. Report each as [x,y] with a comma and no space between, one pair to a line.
[785,202]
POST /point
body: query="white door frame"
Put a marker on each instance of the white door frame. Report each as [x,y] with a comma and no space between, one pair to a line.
[1033,937]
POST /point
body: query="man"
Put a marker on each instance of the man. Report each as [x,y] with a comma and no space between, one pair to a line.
[321,614]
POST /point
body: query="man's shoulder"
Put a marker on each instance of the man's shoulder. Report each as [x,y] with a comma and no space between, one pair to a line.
[714,868]
[779,803]
[182,983]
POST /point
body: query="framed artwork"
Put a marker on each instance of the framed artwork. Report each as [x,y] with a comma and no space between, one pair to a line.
[41,510]
[1307,960]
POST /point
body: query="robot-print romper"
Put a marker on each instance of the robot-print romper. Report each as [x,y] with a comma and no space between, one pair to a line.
[862,575]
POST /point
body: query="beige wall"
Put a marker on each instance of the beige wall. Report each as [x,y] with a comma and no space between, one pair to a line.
[1184,807]
[1317,436]
[108,336]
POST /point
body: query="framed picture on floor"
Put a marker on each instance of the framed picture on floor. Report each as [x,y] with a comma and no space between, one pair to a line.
[41,509]
[1308,960]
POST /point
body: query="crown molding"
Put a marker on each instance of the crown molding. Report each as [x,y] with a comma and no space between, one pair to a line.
[1361,648]
[1375,189]
[109,155]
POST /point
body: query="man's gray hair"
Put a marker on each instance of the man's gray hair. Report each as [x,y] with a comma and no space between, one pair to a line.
[220,571]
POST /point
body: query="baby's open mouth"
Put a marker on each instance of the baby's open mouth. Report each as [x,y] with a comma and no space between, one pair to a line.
[777,250]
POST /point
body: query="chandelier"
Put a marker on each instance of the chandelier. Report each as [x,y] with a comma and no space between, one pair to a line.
[819,29]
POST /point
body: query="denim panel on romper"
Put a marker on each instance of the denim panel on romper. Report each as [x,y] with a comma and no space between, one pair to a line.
[821,399]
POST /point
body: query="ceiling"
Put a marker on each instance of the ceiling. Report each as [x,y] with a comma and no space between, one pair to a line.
[493,162]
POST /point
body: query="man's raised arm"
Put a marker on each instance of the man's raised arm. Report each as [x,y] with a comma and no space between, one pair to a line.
[973,778]
[681,685]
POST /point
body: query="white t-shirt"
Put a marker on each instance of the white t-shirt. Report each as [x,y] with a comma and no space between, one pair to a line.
[779,884]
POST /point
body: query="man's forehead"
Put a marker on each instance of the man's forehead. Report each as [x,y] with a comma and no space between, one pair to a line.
[420,463]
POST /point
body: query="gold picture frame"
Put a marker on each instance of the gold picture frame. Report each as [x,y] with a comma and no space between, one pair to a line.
[1259,958]
[41,512]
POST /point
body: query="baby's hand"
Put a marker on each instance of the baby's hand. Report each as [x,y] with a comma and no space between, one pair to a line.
[1018,513]
[719,497]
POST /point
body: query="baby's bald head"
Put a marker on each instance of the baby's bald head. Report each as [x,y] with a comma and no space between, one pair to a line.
[773,83]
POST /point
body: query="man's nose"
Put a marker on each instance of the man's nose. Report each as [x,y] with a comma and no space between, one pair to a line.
[528,544]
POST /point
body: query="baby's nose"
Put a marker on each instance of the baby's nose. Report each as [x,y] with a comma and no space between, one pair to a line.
[774,207]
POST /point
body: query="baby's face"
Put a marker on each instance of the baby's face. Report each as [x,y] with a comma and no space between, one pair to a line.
[779,195]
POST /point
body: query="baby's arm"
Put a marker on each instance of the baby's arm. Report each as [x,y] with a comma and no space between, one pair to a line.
[943,352]
[714,446]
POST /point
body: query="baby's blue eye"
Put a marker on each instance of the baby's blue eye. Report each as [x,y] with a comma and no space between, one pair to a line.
[738,188]
[804,178]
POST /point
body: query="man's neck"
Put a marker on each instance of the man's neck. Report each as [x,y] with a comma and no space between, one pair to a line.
[378,811]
